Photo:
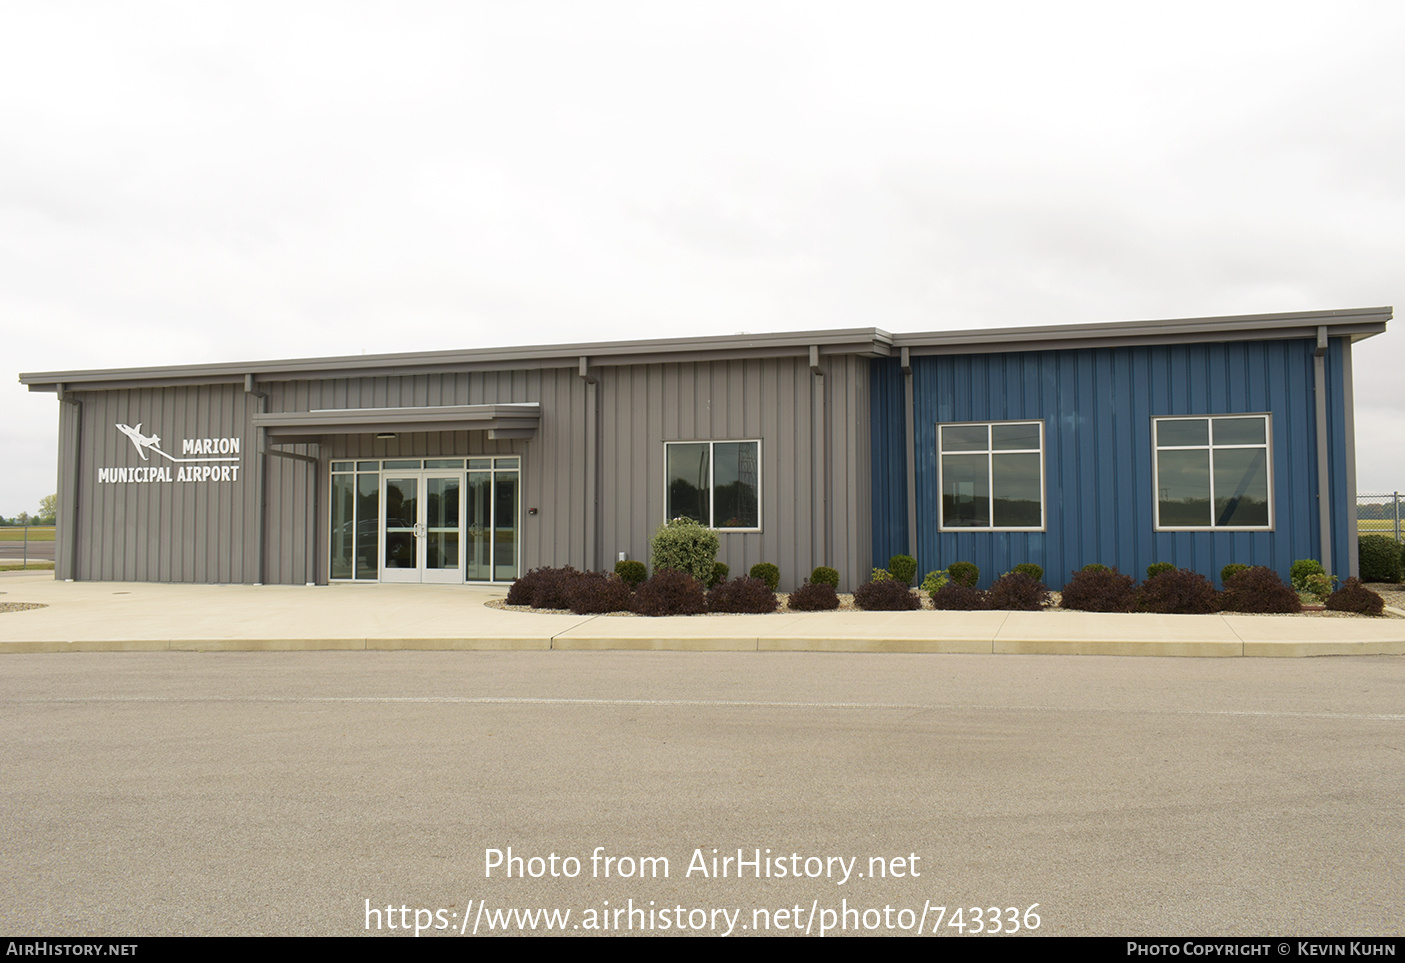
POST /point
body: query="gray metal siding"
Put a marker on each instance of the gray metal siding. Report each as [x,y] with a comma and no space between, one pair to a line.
[645,406]
[159,531]
[815,468]
[553,534]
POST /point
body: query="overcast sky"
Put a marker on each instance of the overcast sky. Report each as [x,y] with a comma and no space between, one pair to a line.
[197,182]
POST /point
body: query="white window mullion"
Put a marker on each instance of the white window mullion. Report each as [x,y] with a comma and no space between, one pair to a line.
[990,476]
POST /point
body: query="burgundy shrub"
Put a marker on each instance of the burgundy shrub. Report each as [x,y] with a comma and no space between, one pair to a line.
[670,592]
[743,594]
[1259,590]
[956,597]
[1178,592]
[595,593]
[886,596]
[1355,597]
[544,588]
[1100,590]
[1016,592]
[814,597]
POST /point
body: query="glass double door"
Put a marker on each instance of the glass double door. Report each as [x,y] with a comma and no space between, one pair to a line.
[451,526]
[421,520]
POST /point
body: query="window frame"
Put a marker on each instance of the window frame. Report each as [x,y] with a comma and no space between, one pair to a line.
[989,452]
[1210,447]
[712,480]
[377,468]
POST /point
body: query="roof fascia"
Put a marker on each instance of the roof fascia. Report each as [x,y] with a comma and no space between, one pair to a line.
[868,342]
[1356,323]
[359,421]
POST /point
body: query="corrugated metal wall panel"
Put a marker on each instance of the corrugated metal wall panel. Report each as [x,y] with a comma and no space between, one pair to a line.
[1097,406]
[645,406]
[888,470]
[1342,493]
[157,531]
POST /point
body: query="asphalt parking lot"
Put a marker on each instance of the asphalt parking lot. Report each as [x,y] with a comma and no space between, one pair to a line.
[294,792]
[35,551]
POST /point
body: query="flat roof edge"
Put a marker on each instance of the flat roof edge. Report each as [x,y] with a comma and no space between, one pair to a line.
[1235,326]
[1354,322]
[796,343]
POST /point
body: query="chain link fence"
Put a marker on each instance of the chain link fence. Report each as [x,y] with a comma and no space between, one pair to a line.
[1379,513]
[23,545]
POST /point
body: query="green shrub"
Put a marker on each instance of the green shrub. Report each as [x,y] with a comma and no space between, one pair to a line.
[814,597]
[720,571]
[1355,597]
[886,596]
[632,572]
[903,568]
[766,572]
[965,573]
[881,575]
[1035,572]
[1156,568]
[1231,570]
[1379,557]
[1319,586]
[684,546]
[1096,567]
[935,580]
[1302,568]
[825,575]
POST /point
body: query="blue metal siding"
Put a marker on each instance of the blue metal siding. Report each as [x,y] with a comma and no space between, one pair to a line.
[889,440]
[1097,406]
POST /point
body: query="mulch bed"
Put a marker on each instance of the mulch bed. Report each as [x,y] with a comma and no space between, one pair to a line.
[20,606]
[1394,595]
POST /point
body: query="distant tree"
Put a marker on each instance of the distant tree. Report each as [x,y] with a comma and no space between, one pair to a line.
[22,518]
[48,509]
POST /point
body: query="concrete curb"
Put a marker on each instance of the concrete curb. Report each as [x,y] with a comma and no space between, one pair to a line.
[148,617]
[1188,648]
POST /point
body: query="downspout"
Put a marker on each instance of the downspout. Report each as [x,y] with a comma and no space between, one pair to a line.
[1353,547]
[261,473]
[592,461]
[76,473]
[909,416]
[819,465]
[1324,501]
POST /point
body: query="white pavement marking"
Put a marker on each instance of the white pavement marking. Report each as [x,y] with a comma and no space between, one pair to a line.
[692,703]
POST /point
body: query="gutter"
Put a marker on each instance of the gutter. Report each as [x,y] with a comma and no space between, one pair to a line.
[1324,500]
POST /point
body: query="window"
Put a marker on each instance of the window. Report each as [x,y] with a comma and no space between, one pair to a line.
[992,475]
[1212,472]
[355,527]
[717,483]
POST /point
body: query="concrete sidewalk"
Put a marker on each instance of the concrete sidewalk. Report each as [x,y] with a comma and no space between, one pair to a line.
[141,616]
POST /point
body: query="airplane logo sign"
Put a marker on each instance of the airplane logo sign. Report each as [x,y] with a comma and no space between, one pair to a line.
[195,446]
[200,460]
[142,442]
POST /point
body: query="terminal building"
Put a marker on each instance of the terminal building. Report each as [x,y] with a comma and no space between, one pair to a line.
[1198,442]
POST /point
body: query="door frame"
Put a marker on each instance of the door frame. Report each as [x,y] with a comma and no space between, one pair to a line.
[420,572]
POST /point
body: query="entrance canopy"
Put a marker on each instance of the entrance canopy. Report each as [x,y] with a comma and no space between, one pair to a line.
[499,421]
